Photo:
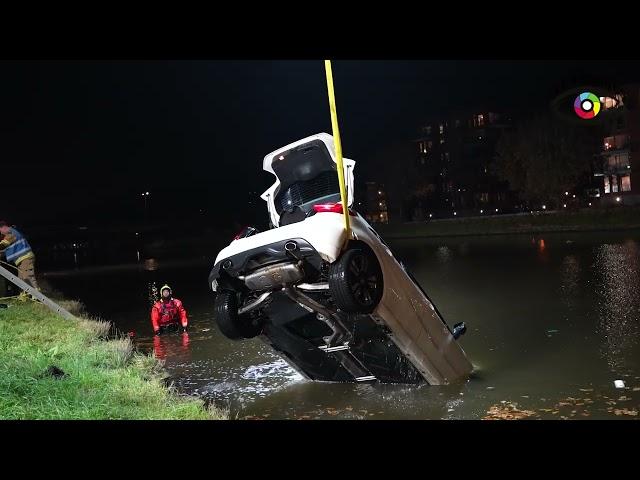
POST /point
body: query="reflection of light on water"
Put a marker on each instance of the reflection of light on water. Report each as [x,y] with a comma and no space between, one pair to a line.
[151,264]
[443,254]
[254,382]
[543,252]
[619,302]
[570,277]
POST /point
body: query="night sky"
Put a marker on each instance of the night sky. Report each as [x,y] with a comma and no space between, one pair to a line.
[80,141]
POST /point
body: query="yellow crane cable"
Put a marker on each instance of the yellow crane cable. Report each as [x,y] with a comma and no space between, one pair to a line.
[338,145]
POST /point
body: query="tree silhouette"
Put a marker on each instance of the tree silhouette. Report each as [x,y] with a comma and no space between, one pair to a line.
[543,158]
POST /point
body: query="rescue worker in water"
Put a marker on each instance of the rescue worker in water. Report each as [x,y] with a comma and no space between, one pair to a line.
[168,312]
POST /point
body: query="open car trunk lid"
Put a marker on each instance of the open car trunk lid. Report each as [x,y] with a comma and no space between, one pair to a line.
[306,174]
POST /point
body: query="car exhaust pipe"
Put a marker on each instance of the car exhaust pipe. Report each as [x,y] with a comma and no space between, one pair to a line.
[325,315]
[254,304]
[290,246]
[274,276]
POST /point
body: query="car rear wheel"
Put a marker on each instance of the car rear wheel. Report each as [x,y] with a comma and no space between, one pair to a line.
[355,281]
[231,324]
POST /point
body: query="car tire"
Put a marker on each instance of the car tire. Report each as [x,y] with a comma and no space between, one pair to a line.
[232,325]
[355,281]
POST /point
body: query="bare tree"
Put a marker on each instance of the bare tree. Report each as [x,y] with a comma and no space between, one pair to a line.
[543,158]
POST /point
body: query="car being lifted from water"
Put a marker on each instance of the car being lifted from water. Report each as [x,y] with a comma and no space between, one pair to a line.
[336,306]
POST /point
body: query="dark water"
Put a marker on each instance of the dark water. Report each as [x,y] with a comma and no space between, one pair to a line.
[553,321]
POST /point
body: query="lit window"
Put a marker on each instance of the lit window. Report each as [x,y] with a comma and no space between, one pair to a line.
[625,183]
[608,102]
[441,141]
[441,128]
[607,185]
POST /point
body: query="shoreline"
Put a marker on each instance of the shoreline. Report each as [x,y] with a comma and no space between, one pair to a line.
[592,221]
[54,368]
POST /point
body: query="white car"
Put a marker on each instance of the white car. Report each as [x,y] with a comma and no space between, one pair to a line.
[337,308]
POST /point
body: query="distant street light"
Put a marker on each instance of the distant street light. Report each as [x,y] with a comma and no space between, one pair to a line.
[146,196]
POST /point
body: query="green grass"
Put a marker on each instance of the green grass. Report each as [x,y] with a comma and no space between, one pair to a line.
[582,220]
[105,378]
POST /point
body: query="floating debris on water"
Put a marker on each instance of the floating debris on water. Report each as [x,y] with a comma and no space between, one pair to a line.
[625,411]
[507,411]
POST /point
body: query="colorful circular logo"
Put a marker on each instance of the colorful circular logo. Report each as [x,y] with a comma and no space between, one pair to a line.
[586,105]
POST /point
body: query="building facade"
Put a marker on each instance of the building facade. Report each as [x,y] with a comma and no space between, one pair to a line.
[619,156]
[372,203]
[454,166]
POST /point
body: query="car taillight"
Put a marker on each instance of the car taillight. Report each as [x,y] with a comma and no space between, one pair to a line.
[239,235]
[331,207]
[245,232]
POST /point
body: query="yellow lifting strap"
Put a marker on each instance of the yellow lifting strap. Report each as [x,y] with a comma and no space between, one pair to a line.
[338,146]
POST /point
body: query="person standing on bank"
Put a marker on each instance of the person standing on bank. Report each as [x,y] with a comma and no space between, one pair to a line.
[17,250]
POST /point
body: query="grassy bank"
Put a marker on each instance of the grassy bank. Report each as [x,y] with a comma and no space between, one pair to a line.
[538,222]
[52,368]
